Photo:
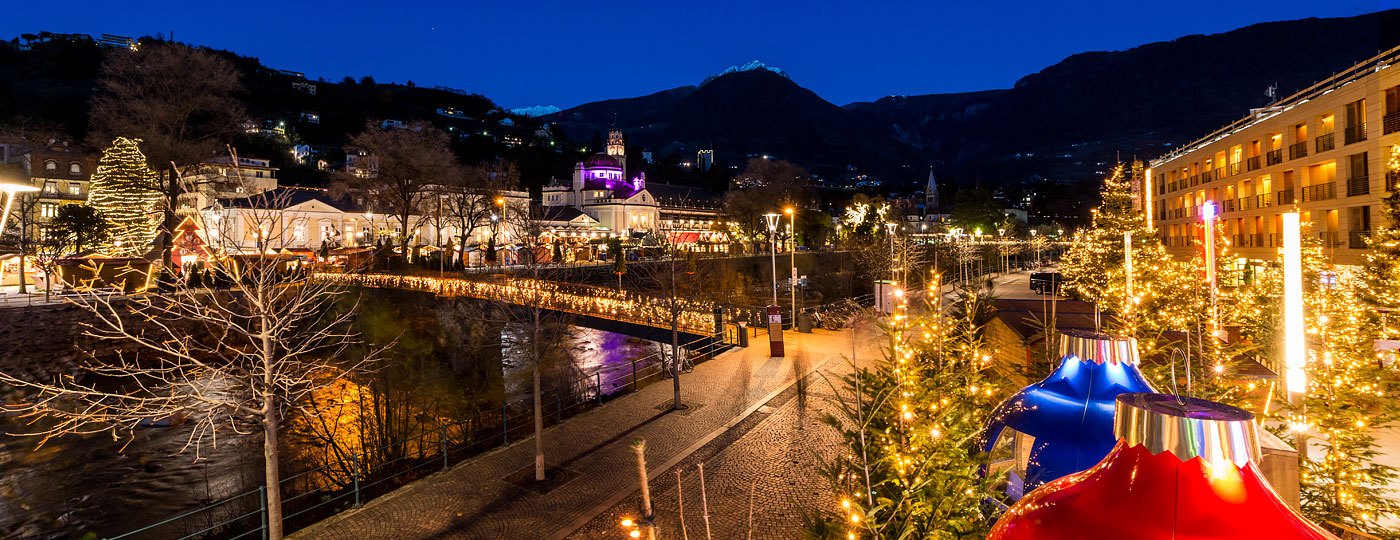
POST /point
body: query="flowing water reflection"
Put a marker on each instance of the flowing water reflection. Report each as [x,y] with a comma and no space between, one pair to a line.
[441,370]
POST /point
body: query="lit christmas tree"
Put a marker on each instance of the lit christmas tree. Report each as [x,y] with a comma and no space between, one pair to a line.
[910,428]
[123,192]
[1350,394]
[1381,280]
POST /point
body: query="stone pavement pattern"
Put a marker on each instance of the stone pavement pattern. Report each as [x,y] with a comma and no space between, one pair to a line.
[771,470]
[472,500]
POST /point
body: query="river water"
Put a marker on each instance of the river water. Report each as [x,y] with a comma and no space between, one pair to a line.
[94,486]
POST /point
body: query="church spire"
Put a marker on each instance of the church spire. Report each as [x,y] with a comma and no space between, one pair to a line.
[931,203]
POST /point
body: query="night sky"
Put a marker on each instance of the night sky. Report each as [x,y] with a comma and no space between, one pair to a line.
[523,53]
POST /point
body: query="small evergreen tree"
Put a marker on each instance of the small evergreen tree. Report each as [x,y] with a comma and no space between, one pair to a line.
[1381,280]
[123,194]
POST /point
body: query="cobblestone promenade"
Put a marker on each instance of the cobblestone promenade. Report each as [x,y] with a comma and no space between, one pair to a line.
[750,420]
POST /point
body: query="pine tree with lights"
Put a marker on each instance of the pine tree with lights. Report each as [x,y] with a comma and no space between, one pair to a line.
[1381,280]
[1348,398]
[123,192]
[910,427]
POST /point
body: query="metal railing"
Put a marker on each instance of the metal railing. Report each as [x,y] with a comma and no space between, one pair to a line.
[1252,163]
[1329,238]
[1326,142]
[1284,196]
[1320,192]
[1263,201]
[1274,157]
[1360,185]
[1356,133]
[1390,123]
[1358,239]
[313,495]
[1298,150]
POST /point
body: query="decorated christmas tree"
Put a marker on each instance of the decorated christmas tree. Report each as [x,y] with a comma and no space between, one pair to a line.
[1381,280]
[1350,395]
[123,192]
[910,425]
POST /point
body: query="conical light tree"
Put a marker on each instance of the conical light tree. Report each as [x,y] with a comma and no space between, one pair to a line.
[1381,280]
[124,193]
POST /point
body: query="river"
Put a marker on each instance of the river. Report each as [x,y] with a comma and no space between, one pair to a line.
[94,486]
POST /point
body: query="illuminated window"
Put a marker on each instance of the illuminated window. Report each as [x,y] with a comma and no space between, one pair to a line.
[75,168]
[51,165]
[48,210]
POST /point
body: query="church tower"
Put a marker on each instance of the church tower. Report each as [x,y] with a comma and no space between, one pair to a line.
[616,147]
[931,202]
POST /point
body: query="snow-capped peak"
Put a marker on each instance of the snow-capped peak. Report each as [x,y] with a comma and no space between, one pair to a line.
[537,110]
[751,66]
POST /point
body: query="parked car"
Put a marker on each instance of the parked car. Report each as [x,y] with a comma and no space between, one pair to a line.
[1043,282]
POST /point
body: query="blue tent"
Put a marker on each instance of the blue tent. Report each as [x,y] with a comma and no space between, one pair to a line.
[1063,424]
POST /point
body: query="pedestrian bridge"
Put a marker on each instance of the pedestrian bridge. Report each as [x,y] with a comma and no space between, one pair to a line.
[697,319]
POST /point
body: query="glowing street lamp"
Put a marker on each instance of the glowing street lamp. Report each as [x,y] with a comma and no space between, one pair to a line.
[792,257]
[772,220]
[12,190]
[1294,346]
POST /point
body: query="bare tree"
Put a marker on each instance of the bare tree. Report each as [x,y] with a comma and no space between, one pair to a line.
[180,101]
[536,297]
[405,164]
[476,195]
[246,355]
[764,186]
[674,285]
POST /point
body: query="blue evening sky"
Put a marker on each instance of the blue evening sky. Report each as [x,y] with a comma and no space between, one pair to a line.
[547,52]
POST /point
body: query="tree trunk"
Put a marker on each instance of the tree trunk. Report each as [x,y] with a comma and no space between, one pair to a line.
[272,475]
[539,405]
[675,340]
[22,290]
[165,237]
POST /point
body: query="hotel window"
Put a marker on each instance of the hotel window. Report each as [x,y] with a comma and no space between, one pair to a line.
[48,210]
[1392,110]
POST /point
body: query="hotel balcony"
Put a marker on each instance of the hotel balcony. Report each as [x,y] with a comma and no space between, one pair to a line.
[1357,239]
[1298,150]
[1251,163]
[1320,192]
[1274,157]
[1356,133]
[1326,142]
[1285,196]
[1391,123]
[1360,185]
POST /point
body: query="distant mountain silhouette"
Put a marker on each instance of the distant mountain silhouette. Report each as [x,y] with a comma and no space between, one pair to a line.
[1059,123]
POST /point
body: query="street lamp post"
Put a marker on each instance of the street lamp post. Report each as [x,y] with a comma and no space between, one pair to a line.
[772,220]
[792,258]
[890,227]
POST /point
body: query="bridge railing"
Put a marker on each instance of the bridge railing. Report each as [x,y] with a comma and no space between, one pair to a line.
[696,317]
[320,492]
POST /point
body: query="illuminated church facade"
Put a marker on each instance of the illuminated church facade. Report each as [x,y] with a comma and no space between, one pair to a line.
[602,190]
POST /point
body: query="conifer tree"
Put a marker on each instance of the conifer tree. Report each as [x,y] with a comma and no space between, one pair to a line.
[1381,280]
[910,463]
[122,194]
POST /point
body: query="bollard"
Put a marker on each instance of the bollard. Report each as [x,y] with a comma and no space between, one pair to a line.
[559,404]
[355,468]
[444,447]
[505,429]
[598,387]
[634,375]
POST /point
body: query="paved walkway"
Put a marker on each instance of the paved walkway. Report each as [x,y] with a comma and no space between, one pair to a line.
[742,400]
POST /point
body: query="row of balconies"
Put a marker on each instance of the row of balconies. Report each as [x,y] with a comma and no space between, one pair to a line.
[1354,240]
[1360,185]
[1322,143]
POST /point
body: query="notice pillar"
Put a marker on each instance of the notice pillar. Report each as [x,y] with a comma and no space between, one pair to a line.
[775,331]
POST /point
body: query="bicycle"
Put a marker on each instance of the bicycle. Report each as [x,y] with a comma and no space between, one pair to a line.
[686,364]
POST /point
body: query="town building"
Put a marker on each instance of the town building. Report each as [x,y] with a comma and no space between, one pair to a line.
[625,205]
[223,178]
[1321,152]
[61,171]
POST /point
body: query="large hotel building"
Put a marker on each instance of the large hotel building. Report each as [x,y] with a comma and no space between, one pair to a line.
[1321,152]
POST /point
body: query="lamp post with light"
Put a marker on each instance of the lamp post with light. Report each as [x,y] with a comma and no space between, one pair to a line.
[792,257]
[772,220]
[890,228]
